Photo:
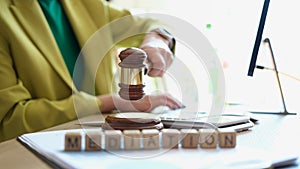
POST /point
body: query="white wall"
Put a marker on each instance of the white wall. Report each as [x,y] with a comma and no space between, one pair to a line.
[233,29]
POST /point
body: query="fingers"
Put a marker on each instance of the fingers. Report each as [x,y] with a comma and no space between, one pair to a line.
[169,57]
[171,102]
[165,100]
[156,69]
[159,60]
[147,103]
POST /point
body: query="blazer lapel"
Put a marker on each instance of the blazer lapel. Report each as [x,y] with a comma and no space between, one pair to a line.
[29,14]
[83,25]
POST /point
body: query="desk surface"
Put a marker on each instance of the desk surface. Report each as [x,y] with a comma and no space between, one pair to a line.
[275,133]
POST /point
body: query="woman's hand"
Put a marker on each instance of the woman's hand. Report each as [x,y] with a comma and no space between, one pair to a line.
[146,104]
[160,57]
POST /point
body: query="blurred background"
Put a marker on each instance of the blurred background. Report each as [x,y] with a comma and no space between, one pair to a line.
[231,27]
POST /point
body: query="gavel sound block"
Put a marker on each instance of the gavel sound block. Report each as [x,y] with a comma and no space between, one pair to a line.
[132,121]
[151,139]
[133,68]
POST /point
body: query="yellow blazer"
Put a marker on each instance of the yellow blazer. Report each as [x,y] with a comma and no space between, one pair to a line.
[36,89]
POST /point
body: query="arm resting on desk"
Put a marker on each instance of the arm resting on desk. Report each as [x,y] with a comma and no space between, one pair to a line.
[21,114]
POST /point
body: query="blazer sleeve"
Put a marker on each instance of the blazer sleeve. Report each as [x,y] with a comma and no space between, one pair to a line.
[21,113]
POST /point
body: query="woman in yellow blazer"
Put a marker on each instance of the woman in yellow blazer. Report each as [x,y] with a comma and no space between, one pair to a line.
[36,89]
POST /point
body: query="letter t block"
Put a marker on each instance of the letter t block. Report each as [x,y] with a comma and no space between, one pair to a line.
[170,138]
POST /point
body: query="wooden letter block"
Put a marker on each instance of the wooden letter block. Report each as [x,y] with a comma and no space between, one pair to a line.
[132,139]
[150,138]
[208,138]
[170,138]
[190,138]
[227,138]
[93,141]
[112,139]
[73,142]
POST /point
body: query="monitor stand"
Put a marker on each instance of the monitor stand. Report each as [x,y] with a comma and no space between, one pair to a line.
[285,112]
[274,113]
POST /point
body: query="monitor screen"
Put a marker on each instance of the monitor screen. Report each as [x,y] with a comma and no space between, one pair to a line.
[258,38]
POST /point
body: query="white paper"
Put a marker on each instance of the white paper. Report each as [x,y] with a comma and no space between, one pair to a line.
[51,145]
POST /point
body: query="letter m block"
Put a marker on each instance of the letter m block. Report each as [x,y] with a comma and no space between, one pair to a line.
[72,142]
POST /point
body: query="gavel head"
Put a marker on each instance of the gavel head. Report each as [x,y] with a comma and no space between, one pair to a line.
[133,68]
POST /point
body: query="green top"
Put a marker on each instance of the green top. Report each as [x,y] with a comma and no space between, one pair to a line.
[62,31]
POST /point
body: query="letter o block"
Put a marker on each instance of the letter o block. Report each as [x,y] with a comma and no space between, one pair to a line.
[208,138]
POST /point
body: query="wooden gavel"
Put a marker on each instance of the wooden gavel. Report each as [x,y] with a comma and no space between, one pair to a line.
[133,69]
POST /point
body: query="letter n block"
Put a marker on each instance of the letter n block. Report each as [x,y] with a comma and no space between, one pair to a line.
[208,138]
[227,138]
[93,141]
[132,139]
[112,139]
[190,138]
[73,141]
[150,138]
[170,138]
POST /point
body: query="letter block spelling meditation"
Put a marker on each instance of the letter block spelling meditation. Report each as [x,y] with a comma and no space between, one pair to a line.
[112,139]
[132,139]
[151,139]
[93,141]
[208,138]
[170,138]
[227,138]
[73,142]
[190,138]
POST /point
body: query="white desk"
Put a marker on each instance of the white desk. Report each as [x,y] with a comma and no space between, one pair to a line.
[274,133]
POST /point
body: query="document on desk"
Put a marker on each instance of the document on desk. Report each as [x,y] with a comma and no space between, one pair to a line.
[50,147]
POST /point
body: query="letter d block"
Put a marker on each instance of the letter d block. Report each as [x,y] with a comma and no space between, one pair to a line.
[227,138]
[73,142]
[132,139]
[170,138]
[190,138]
[93,141]
[208,138]
[150,138]
[112,139]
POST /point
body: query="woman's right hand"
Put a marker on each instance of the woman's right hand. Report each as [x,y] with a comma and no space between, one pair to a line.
[146,104]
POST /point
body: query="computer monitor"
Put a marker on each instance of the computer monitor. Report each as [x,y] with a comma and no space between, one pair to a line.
[255,53]
[258,37]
